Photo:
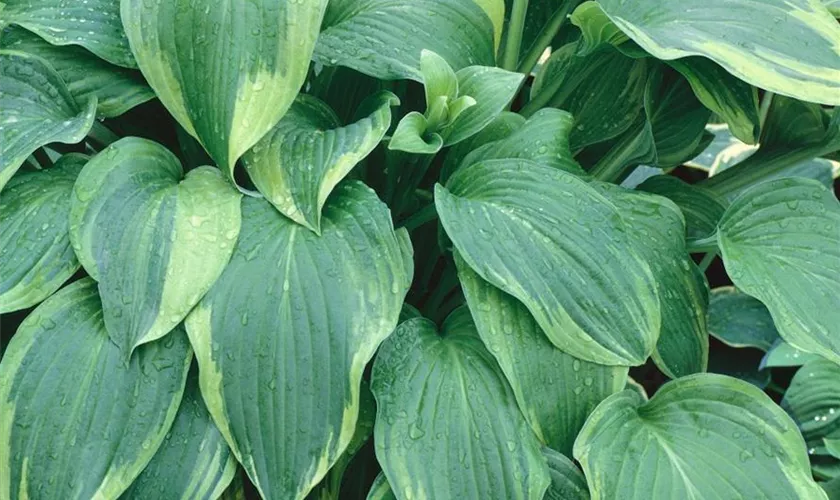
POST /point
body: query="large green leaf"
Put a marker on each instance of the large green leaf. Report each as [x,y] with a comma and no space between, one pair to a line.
[801,59]
[813,400]
[92,24]
[77,421]
[444,408]
[289,305]
[154,239]
[227,71]
[193,461]
[37,109]
[657,229]
[702,436]
[555,391]
[36,256]
[544,138]
[604,91]
[556,244]
[567,481]
[297,164]
[700,207]
[117,89]
[384,38]
[780,243]
[739,320]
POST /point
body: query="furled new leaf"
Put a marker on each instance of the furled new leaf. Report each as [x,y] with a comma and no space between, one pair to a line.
[288,306]
[92,24]
[154,239]
[555,391]
[116,89]
[813,400]
[801,59]
[657,230]
[780,243]
[567,481]
[443,407]
[702,436]
[384,39]
[77,420]
[35,252]
[739,320]
[297,164]
[227,71]
[37,109]
[556,244]
[193,462]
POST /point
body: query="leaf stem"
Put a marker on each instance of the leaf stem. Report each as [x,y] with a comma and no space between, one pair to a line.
[513,37]
[42,158]
[421,217]
[545,37]
[102,135]
[764,108]
[707,261]
[703,245]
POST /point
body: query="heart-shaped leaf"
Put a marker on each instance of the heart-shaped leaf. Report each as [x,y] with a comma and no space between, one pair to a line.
[701,436]
[154,239]
[116,89]
[384,39]
[657,228]
[297,164]
[443,406]
[780,242]
[34,236]
[193,461]
[227,71]
[92,24]
[555,391]
[289,304]
[556,244]
[77,420]
[801,59]
[37,110]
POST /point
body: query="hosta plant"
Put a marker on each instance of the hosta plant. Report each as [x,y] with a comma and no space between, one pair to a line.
[420,249]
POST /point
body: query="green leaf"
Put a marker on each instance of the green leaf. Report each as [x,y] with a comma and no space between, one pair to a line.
[116,89]
[596,28]
[495,10]
[439,79]
[604,91]
[801,59]
[150,274]
[567,481]
[94,25]
[780,243]
[193,462]
[556,244]
[544,138]
[303,302]
[502,126]
[555,391]
[657,227]
[298,164]
[634,147]
[37,110]
[701,208]
[34,240]
[813,400]
[412,136]
[443,407]
[77,421]
[384,39]
[739,320]
[227,71]
[381,490]
[724,151]
[734,101]
[492,89]
[702,436]
[783,354]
